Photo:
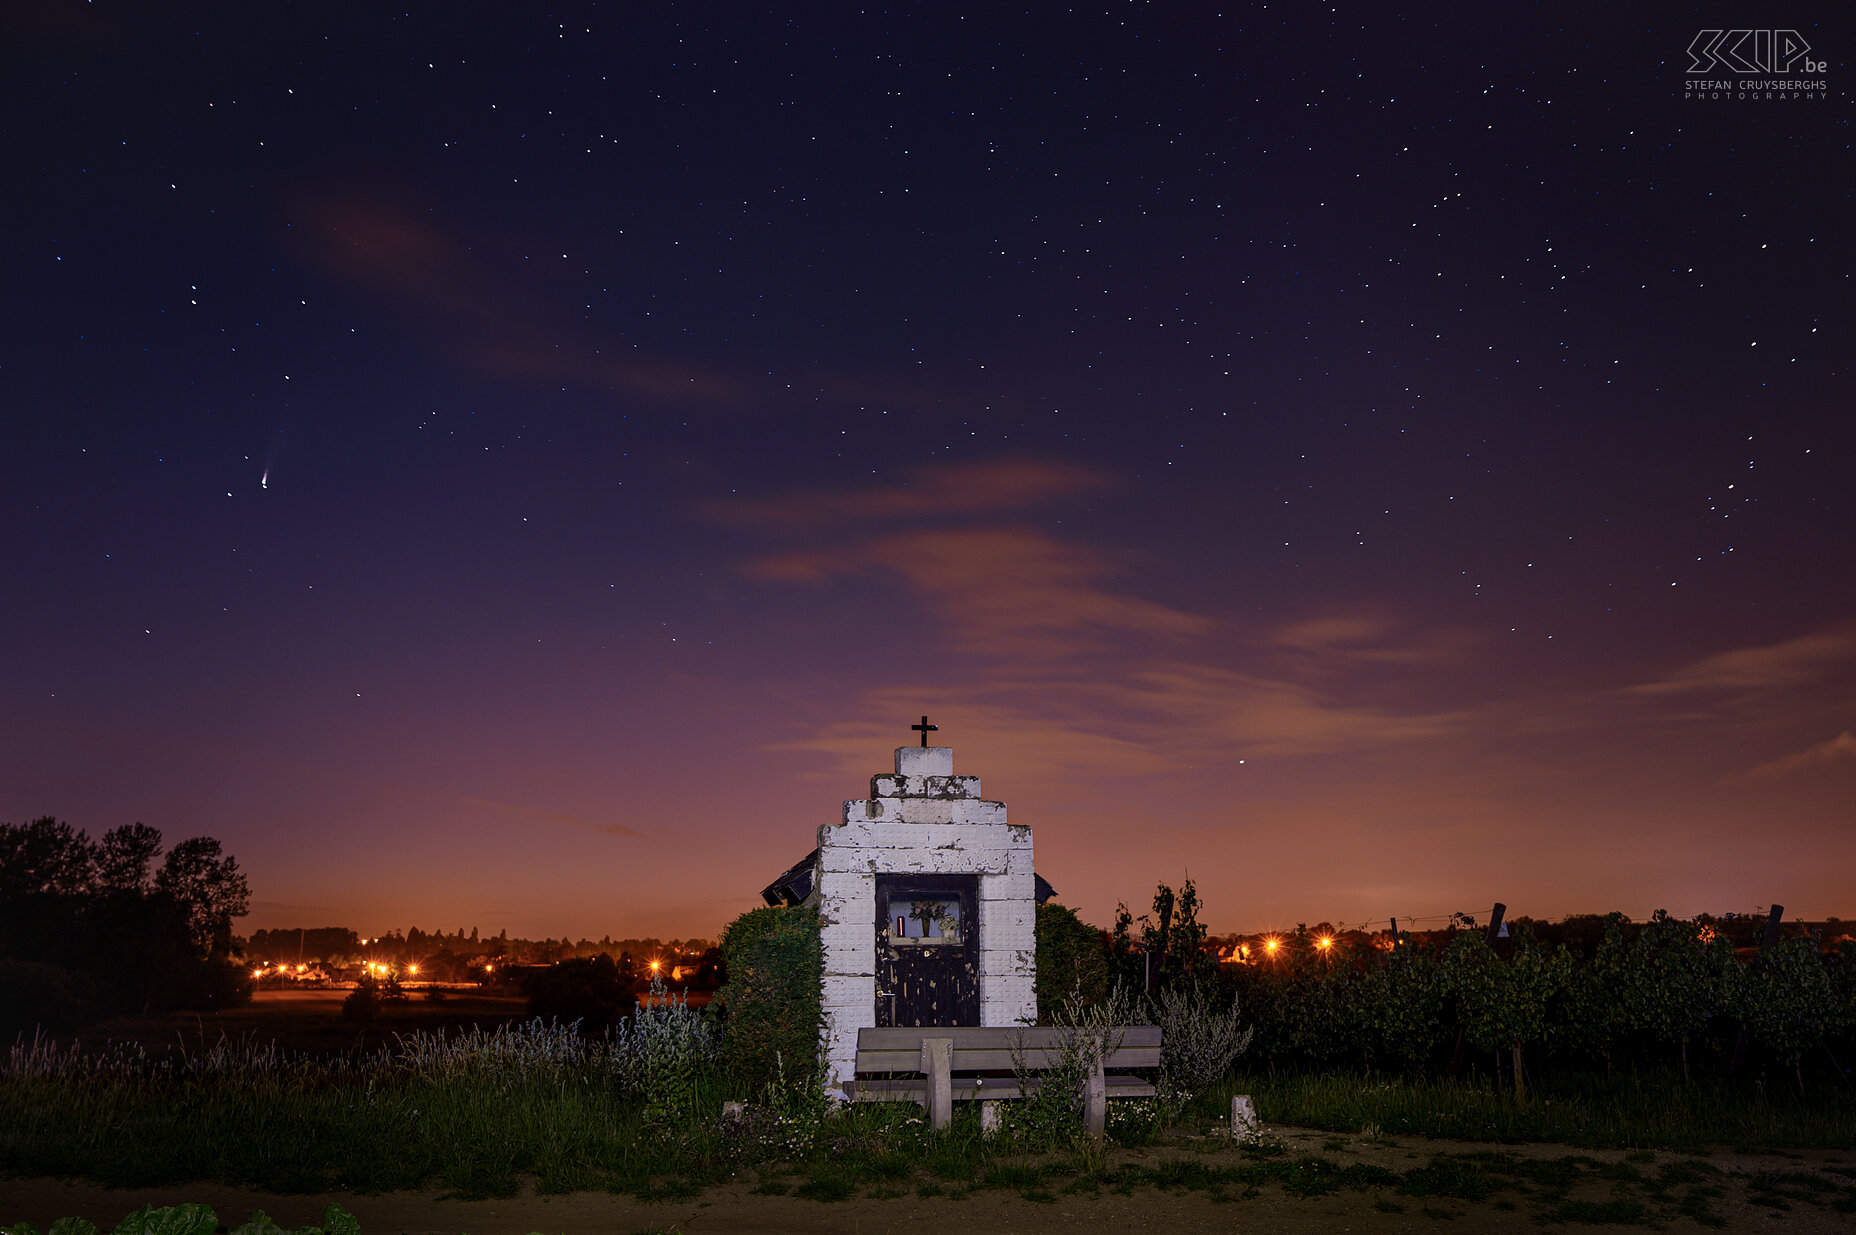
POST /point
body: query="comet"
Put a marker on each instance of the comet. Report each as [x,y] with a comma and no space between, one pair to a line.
[264,481]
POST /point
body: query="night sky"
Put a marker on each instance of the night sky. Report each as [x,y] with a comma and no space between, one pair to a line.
[525,470]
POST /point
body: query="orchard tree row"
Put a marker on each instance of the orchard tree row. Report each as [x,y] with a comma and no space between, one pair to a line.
[1666,991]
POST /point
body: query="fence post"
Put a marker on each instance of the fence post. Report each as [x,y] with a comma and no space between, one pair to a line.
[938,1067]
[1095,1100]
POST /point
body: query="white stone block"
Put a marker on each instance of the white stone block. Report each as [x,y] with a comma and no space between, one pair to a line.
[846,895]
[873,862]
[1008,1008]
[849,937]
[949,810]
[867,810]
[1012,913]
[924,761]
[1243,1118]
[844,990]
[1008,962]
[1013,886]
[883,785]
[899,835]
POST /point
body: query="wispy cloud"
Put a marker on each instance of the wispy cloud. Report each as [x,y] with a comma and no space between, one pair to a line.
[986,488]
[1833,750]
[1003,592]
[1802,661]
[1367,635]
[535,812]
[1065,653]
[482,321]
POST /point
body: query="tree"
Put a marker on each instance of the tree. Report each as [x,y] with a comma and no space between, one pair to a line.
[124,856]
[198,875]
[89,909]
[1788,998]
[44,858]
[1174,937]
[1684,975]
[1504,1003]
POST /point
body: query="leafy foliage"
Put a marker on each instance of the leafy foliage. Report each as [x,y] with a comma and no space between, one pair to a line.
[1071,964]
[195,1220]
[1171,945]
[1664,991]
[773,998]
[666,1051]
[1789,999]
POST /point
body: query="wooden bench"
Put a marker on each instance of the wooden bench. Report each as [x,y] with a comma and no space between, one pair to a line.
[939,1066]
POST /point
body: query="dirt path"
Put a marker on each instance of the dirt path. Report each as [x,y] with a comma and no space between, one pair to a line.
[1763,1193]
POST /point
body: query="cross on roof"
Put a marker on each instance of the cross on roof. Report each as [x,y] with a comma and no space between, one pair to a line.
[926,729]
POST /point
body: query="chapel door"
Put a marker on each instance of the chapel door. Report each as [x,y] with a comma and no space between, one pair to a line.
[927,950]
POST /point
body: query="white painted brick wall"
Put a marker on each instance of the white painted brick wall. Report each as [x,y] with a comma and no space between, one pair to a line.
[861,810]
[883,785]
[939,825]
[1012,885]
[913,861]
[964,835]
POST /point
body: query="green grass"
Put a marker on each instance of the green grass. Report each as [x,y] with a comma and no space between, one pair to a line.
[379,1122]
[1624,1112]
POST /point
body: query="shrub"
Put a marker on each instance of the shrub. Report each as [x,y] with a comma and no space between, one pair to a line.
[1071,963]
[663,1054]
[34,996]
[772,1000]
[363,1002]
[593,990]
[1200,1039]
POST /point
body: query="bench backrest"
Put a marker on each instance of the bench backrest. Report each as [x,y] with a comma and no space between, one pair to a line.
[1001,1048]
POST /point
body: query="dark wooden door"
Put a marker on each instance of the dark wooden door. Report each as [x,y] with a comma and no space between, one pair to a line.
[927,950]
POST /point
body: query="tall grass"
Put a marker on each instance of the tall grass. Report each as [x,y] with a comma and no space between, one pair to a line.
[481,1113]
[475,1112]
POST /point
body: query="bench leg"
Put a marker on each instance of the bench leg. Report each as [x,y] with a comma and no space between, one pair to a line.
[938,1067]
[989,1116]
[1095,1102]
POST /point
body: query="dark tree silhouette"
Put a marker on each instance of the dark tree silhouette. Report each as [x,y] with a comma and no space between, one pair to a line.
[125,857]
[198,875]
[85,930]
